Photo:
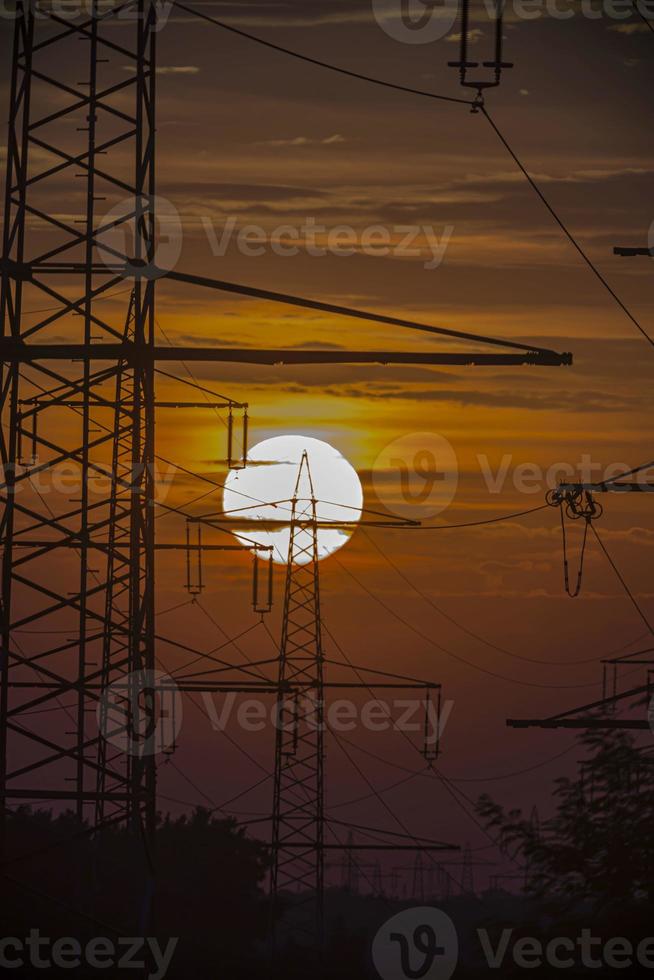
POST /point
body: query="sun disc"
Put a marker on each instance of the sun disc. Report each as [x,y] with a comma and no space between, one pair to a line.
[263,491]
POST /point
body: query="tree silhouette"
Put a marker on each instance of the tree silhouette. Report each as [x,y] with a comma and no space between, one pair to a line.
[64,881]
[598,846]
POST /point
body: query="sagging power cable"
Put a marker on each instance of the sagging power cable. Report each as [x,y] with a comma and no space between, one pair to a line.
[579,505]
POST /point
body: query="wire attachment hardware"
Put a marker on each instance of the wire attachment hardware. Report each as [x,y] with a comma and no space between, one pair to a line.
[243,461]
[194,573]
[262,593]
[496,66]
[431,748]
[579,504]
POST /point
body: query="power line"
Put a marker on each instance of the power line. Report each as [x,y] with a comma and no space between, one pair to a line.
[454,779]
[482,523]
[465,629]
[642,16]
[452,790]
[564,228]
[450,653]
[622,581]
[480,106]
[469,811]
[383,802]
[386,789]
[317,62]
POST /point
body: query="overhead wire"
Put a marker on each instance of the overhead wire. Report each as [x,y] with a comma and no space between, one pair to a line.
[316,61]
[450,653]
[477,105]
[623,582]
[564,227]
[642,16]
[465,629]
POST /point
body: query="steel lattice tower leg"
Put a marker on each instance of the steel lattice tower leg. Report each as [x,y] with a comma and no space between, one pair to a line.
[77,570]
[298,805]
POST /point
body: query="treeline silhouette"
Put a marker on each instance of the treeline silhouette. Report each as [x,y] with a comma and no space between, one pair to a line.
[63,881]
[588,863]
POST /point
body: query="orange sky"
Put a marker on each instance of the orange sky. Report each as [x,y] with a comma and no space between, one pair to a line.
[248,135]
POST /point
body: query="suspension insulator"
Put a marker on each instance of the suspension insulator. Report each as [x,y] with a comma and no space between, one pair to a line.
[194,571]
[496,65]
[262,592]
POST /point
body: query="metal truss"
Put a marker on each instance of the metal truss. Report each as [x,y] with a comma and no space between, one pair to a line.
[78,567]
[298,830]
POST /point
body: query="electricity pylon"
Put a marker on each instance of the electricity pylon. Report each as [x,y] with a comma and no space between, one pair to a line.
[297,880]
[77,567]
[96,140]
[298,830]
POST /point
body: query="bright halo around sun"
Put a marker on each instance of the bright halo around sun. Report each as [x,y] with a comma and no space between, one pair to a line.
[270,479]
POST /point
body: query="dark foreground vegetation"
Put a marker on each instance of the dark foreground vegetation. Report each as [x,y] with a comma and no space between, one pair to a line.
[585,892]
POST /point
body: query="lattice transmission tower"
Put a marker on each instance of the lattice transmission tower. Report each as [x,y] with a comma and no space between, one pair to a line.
[77,568]
[298,803]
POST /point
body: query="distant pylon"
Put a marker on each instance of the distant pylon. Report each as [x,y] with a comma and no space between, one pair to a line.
[350,867]
[444,883]
[377,881]
[534,820]
[467,878]
[298,805]
[419,878]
